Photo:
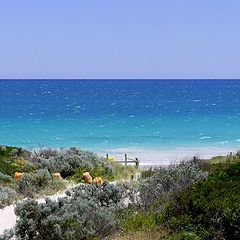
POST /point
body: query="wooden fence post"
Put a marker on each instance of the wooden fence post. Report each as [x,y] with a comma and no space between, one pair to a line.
[107,156]
[125,159]
[137,163]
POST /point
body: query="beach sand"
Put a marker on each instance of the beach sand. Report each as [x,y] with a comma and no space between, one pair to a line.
[163,157]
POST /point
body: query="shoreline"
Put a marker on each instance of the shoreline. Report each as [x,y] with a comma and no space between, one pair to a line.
[161,156]
[166,156]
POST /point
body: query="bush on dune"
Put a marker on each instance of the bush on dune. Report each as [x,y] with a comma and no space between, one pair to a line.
[7,196]
[32,183]
[87,211]
[139,221]
[69,161]
[15,160]
[8,151]
[187,202]
[190,203]
[35,172]
[11,165]
[165,183]
[210,208]
[5,179]
[147,212]
[122,172]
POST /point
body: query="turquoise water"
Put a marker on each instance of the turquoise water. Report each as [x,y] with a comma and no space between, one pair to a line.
[111,114]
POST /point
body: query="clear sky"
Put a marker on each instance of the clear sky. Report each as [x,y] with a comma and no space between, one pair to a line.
[120,39]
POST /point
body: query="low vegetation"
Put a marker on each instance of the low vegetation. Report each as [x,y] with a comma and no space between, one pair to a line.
[211,208]
[31,173]
[72,163]
[206,206]
[197,199]
[87,211]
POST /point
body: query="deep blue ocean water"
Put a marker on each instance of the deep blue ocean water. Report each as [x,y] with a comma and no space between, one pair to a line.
[107,114]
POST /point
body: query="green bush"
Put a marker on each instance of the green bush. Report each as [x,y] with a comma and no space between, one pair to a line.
[87,212]
[146,173]
[7,196]
[78,175]
[7,167]
[132,221]
[8,151]
[13,160]
[213,205]
[167,182]
[69,161]
[122,172]
[102,172]
[5,179]
[10,165]
[53,187]
[32,183]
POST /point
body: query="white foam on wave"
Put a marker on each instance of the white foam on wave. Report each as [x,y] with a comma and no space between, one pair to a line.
[223,142]
[205,137]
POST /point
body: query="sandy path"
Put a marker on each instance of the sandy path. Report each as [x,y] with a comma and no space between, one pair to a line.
[8,218]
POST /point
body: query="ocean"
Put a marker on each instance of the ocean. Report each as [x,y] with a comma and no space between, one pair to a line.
[156,120]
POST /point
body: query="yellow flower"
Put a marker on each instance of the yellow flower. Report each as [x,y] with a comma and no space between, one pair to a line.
[111,158]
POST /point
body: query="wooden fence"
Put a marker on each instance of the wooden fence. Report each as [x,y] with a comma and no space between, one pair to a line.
[127,160]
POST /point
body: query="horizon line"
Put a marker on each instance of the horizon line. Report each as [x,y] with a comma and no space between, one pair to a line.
[119,79]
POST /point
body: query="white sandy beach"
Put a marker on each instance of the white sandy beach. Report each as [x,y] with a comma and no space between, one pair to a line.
[149,157]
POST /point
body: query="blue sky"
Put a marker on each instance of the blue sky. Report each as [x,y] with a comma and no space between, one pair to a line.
[120,39]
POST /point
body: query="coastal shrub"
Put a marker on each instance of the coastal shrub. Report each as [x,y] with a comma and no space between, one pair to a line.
[217,163]
[87,212]
[102,172]
[78,175]
[69,161]
[8,151]
[146,173]
[23,165]
[32,183]
[166,182]
[210,208]
[122,172]
[5,179]
[10,165]
[132,221]
[106,194]
[7,196]
[7,167]
[151,197]
[8,234]
[53,186]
